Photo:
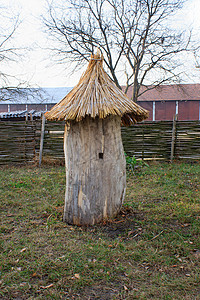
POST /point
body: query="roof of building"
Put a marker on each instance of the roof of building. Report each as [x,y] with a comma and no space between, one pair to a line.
[174,92]
[34,95]
[96,95]
[21,114]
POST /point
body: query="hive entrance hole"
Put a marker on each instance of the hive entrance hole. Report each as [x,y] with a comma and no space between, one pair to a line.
[100,155]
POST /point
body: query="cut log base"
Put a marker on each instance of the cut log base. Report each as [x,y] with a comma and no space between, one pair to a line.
[95,170]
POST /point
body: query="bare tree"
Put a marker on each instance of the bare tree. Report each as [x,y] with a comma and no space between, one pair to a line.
[197,58]
[134,36]
[10,54]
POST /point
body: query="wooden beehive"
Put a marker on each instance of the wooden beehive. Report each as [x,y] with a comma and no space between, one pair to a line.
[94,155]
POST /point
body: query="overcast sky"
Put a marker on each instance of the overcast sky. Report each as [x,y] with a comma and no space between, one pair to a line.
[36,66]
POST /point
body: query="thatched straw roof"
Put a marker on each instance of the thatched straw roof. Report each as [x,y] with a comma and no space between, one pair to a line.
[96,95]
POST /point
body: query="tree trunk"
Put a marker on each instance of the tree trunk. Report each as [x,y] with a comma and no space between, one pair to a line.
[95,170]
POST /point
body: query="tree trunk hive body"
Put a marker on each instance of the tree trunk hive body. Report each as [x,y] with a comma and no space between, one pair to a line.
[95,170]
[94,155]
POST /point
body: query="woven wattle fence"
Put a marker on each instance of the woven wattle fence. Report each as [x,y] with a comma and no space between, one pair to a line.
[17,142]
[153,140]
[20,141]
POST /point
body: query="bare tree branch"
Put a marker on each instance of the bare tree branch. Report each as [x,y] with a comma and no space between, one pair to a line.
[133,35]
[9,54]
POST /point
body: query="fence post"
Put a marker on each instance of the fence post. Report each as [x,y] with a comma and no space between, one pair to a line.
[142,143]
[173,137]
[42,139]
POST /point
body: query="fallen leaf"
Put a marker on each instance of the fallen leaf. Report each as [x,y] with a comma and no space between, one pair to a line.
[24,249]
[130,232]
[180,259]
[125,287]
[34,274]
[46,287]
[22,283]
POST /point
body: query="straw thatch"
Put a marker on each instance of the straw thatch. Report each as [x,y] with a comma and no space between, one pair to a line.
[96,95]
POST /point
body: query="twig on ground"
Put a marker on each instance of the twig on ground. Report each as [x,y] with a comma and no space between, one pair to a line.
[157,235]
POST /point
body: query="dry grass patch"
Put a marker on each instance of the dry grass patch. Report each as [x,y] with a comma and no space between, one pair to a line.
[149,251]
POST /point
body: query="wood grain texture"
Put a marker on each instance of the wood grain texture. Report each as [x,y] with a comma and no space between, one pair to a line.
[95,170]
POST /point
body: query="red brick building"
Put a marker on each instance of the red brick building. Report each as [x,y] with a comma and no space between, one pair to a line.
[167,100]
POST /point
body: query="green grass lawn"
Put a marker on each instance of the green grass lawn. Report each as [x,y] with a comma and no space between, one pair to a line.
[150,250]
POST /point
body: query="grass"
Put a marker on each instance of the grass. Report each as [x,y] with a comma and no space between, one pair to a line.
[149,251]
